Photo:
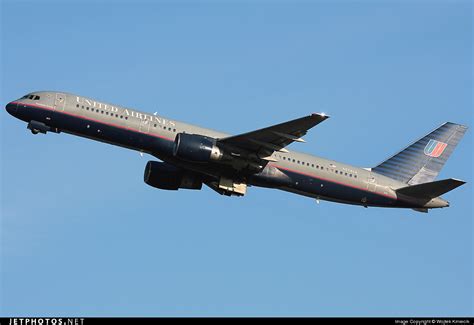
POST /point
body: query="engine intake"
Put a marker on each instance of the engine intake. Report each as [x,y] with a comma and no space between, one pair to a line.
[196,148]
[168,177]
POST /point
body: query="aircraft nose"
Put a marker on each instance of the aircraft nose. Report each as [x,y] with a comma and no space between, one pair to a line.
[11,108]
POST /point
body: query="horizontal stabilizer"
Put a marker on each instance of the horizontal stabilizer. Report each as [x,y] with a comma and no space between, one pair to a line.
[432,189]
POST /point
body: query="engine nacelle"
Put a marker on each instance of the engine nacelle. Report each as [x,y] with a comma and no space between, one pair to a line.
[196,148]
[168,177]
[39,127]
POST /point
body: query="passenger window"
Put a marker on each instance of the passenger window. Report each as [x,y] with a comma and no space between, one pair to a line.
[126,117]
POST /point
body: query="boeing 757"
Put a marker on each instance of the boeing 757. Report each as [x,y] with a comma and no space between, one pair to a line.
[191,156]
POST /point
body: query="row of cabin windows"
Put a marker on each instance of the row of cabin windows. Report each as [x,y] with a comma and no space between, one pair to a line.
[33,97]
[164,127]
[102,112]
[344,173]
[118,116]
[320,167]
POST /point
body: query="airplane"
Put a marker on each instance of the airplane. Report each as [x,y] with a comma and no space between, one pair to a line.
[191,156]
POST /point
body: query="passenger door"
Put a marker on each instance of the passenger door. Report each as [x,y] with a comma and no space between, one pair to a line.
[59,102]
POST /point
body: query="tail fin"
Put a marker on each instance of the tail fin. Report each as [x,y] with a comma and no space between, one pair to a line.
[422,161]
[432,189]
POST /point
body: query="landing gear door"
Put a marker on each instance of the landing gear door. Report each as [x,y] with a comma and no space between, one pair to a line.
[59,102]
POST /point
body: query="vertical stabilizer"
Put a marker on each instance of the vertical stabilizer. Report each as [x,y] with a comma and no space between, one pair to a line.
[422,161]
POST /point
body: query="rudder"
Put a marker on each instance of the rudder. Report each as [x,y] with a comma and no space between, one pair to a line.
[422,161]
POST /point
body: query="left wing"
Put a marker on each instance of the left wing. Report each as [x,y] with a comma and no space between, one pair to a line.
[265,141]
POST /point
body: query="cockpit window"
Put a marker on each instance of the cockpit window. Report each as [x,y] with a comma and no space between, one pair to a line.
[33,97]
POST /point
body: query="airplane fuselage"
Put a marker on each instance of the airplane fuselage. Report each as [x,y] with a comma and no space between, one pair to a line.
[295,172]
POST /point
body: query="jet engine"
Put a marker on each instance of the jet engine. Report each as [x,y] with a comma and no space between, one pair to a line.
[39,127]
[196,148]
[168,177]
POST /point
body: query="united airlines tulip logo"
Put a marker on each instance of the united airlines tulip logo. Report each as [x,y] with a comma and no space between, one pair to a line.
[435,148]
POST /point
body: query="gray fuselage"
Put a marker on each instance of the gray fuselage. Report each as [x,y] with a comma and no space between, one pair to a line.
[295,172]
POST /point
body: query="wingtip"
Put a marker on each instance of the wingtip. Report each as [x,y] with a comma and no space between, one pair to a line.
[323,115]
[460,181]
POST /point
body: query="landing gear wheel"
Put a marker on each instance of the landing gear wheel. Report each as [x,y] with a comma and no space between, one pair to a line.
[34,131]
